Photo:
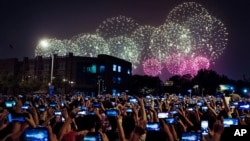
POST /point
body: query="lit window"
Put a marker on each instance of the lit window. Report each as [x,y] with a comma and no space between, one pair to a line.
[129,72]
[119,80]
[119,68]
[113,91]
[102,69]
[114,67]
[89,69]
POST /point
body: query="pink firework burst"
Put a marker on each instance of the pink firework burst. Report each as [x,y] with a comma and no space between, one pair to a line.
[202,62]
[191,67]
[152,67]
[175,65]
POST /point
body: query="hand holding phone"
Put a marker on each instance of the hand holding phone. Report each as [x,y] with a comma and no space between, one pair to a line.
[171,120]
[153,126]
[36,134]
[17,117]
[93,136]
[204,127]
[111,113]
[163,115]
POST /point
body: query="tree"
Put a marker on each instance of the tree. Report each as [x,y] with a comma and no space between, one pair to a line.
[145,85]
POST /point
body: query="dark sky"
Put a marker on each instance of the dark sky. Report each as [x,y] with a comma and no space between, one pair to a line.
[25,22]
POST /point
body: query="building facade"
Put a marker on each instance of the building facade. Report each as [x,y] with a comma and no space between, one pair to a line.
[71,74]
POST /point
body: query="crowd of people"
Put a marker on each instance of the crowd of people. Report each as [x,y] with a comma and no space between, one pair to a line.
[77,117]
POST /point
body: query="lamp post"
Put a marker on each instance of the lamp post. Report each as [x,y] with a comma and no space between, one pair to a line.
[45,45]
[52,69]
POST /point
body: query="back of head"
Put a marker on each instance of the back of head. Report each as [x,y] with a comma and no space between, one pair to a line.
[156,136]
[71,136]
[128,124]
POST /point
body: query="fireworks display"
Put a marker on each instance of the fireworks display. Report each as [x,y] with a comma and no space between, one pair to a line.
[152,67]
[124,48]
[142,37]
[201,62]
[175,64]
[90,45]
[117,26]
[54,46]
[190,39]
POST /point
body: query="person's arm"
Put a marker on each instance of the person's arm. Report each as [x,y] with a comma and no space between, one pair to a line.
[97,113]
[3,116]
[67,123]
[160,103]
[182,126]
[226,106]
[47,116]
[211,109]
[186,120]
[120,128]
[138,131]
[34,114]
[197,114]
[52,136]
[173,131]
[241,121]
[167,131]
[135,115]
[143,111]
[102,106]
[218,129]
[154,115]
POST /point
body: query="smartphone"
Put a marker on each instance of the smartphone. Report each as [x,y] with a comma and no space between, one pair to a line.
[177,105]
[17,117]
[199,104]
[93,136]
[232,106]
[190,108]
[227,122]
[10,104]
[42,108]
[84,108]
[36,134]
[59,117]
[86,99]
[204,108]
[204,127]
[191,136]
[96,105]
[91,113]
[243,116]
[173,112]
[218,103]
[57,113]
[153,126]
[25,107]
[82,113]
[163,115]
[129,110]
[111,113]
[53,105]
[170,120]
[244,106]
[133,100]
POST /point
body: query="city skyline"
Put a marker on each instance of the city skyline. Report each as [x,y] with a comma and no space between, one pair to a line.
[26,23]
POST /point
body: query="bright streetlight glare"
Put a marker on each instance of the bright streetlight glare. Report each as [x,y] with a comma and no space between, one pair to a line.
[245,90]
[44,43]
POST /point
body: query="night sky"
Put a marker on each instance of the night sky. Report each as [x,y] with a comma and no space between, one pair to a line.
[25,22]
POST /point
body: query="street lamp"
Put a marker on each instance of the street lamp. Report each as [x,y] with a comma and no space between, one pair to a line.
[45,44]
